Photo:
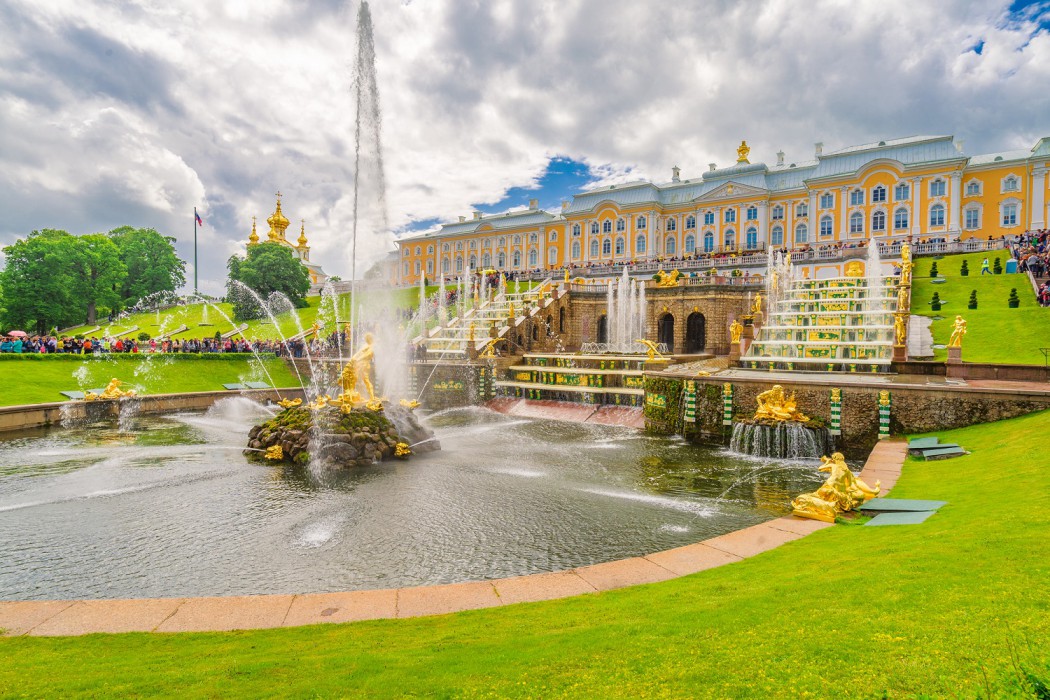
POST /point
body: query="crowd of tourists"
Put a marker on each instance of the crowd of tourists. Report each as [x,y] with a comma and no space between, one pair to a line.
[24,344]
[1032,252]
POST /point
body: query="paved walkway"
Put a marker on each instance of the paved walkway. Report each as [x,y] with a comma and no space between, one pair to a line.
[75,617]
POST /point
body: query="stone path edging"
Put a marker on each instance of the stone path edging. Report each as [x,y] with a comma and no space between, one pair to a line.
[76,617]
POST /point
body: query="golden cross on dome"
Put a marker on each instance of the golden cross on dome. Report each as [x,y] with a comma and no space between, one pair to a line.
[278,194]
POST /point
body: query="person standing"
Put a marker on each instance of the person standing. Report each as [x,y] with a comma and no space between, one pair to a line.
[985,270]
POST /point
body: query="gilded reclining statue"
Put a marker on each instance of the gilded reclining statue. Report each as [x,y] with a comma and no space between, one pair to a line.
[773,404]
[841,492]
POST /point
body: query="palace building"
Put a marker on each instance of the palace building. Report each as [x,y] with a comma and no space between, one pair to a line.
[300,249]
[920,187]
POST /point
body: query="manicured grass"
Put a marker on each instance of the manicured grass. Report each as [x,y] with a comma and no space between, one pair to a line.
[39,380]
[995,333]
[958,606]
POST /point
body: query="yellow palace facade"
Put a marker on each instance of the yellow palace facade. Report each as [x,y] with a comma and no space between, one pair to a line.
[921,187]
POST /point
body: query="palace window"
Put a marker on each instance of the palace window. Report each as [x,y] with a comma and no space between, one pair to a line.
[752,213]
[937,215]
[709,242]
[459,245]
[459,264]
[878,221]
[430,249]
[594,227]
[446,247]
[532,258]
[486,260]
[856,197]
[640,223]
[801,209]
[594,248]
[533,238]
[972,218]
[552,256]
[878,194]
[575,250]
[620,245]
[552,236]
[607,226]
[900,219]
[417,266]
[827,201]
[517,240]
[669,246]
[404,269]
[639,244]
[856,222]
[901,192]
[606,247]
[445,266]
[751,238]
[473,245]
[406,252]
[801,234]
[487,243]
[730,239]
[430,267]
[778,213]
[709,218]
[730,216]
[973,188]
[501,260]
[576,229]
[937,188]
[418,250]
[621,225]
[825,226]
[690,222]
[501,242]
[473,262]
[777,237]
[1009,215]
[1011,184]
[690,244]
[672,224]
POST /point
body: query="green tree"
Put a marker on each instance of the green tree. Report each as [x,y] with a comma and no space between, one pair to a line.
[269,267]
[151,261]
[101,274]
[40,281]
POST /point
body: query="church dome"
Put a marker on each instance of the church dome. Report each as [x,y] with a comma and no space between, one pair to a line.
[278,222]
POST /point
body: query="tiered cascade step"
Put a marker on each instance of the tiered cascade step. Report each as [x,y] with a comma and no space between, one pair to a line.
[593,379]
[831,324]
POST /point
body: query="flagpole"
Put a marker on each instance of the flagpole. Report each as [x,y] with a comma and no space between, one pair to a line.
[194,250]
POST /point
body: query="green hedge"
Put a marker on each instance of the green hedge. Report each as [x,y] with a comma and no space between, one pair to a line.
[664,420]
[133,357]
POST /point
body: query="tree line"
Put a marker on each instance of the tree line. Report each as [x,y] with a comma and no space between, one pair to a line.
[53,278]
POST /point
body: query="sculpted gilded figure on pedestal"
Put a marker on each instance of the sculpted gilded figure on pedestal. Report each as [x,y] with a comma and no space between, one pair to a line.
[774,404]
[900,328]
[736,329]
[667,279]
[358,368]
[958,331]
[841,492]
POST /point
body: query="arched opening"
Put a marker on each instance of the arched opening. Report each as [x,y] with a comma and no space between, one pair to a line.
[603,329]
[550,325]
[695,333]
[561,320]
[665,331]
[535,332]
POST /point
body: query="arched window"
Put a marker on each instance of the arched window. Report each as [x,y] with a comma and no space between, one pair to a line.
[575,250]
[532,258]
[730,216]
[856,222]
[606,247]
[778,213]
[594,227]
[937,215]
[878,194]
[672,224]
[459,264]
[1010,184]
[607,226]
[801,209]
[517,240]
[730,238]
[751,238]
[594,248]
[430,249]
[501,260]
[937,188]
[777,236]
[669,245]
[801,234]
[501,241]
[690,222]
[552,256]
[406,252]
[473,245]
[619,245]
[473,262]
[446,266]
[690,244]
[576,229]
[972,218]
[430,267]
[825,226]
[459,245]
[709,241]
[900,219]
[418,250]
[973,187]
[404,269]
[639,244]
[901,192]
[621,225]
[486,260]
[878,221]
[709,218]
[856,197]
[417,267]
[516,258]
[640,223]
[553,237]
[752,213]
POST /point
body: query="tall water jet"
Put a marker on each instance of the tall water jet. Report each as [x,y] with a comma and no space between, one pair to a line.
[625,313]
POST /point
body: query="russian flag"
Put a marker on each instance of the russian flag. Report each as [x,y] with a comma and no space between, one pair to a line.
[197,217]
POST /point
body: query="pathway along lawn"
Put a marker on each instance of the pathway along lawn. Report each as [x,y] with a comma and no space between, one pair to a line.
[995,332]
[40,378]
[954,607]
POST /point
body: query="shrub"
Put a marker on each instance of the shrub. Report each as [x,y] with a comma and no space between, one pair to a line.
[935,303]
[218,337]
[997,267]
[973,300]
[933,269]
[965,269]
[1014,301]
[143,336]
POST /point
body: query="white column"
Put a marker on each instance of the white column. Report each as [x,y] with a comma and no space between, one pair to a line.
[814,222]
[789,225]
[763,224]
[650,234]
[1038,199]
[955,205]
[844,209]
[916,212]
[718,228]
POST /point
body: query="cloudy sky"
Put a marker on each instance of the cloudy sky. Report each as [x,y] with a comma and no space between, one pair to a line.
[135,111]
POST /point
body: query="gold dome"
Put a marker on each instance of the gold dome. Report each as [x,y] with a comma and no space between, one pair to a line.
[254,238]
[278,222]
[302,234]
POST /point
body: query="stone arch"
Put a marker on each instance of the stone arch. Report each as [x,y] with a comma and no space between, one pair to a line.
[695,333]
[603,329]
[665,331]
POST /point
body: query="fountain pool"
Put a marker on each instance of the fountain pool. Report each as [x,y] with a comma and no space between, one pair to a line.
[170,507]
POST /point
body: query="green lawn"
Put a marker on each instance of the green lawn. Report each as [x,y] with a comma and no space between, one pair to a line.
[958,607]
[39,379]
[995,333]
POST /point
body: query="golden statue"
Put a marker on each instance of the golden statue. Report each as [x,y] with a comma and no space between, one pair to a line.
[667,279]
[653,350]
[289,403]
[409,404]
[402,449]
[358,367]
[736,329]
[958,332]
[703,373]
[854,268]
[566,275]
[841,492]
[315,330]
[774,404]
[756,308]
[511,312]
[274,452]
[906,265]
[884,398]
[112,391]
[489,351]
[742,152]
[320,402]
[900,327]
[470,334]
